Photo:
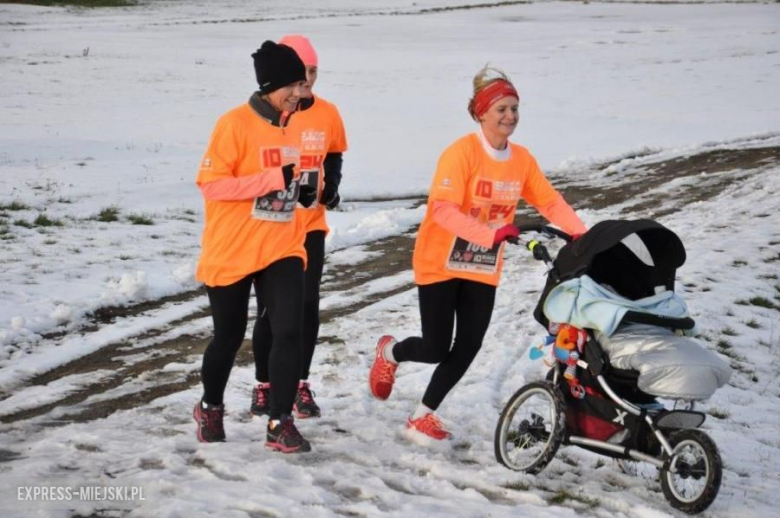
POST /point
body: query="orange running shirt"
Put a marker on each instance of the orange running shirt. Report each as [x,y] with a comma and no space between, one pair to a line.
[485,189]
[322,132]
[244,236]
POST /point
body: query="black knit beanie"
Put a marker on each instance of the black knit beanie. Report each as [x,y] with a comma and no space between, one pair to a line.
[277,66]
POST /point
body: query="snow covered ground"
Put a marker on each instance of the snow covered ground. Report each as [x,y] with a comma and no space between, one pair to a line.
[111,109]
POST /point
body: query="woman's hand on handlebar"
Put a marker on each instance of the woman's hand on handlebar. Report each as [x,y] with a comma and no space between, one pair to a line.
[508,232]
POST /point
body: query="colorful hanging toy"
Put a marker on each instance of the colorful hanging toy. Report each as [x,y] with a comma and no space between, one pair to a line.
[567,344]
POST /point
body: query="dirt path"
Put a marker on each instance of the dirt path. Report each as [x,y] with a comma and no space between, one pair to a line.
[640,192]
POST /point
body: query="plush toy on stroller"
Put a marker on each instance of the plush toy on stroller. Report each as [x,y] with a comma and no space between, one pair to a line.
[617,341]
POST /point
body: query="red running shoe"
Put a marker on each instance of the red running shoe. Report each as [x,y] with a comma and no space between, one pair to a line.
[305,406]
[382,375]
[285,437]
[428,425]
[210,427]
[261,400]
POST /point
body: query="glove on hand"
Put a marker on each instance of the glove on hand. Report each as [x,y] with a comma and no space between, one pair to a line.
[330,195]
[288,172]
[508,232]
[307,196]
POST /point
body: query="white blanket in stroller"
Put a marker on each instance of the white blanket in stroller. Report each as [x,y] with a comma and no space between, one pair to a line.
[669,365]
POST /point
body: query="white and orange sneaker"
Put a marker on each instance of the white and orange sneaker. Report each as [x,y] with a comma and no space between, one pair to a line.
[429,426]
[382,375]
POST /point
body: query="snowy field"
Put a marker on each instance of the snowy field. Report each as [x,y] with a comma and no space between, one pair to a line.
[107,112]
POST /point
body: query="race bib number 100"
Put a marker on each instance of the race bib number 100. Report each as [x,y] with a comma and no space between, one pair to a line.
[469,257]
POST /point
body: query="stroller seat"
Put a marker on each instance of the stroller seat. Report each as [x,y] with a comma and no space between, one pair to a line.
[666,365]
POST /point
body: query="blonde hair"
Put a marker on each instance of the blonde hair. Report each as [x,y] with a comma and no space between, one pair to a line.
[484,78]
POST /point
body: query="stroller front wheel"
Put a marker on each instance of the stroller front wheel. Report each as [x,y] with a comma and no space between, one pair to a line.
[530,428]
[693,480]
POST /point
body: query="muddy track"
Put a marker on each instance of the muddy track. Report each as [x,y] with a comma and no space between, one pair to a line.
[642,194]
[388,257]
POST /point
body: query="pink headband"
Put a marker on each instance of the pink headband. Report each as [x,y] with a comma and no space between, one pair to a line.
[302,46]
[490,95]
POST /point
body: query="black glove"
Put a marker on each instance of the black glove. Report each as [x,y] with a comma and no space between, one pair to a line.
[288,173]
[330,195]
[307,196]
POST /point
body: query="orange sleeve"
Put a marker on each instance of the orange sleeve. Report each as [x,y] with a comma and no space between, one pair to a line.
[539,192]
[560,213]
[447,215]
[243,187]
[338,141]
[452,176]
[222,153]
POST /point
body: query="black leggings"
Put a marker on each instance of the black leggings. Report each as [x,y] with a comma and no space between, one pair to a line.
[279,288]
[440,304]
[263,336]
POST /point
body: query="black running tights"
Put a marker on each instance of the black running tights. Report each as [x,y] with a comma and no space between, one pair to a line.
[262,337]
[279,288]
[441,304]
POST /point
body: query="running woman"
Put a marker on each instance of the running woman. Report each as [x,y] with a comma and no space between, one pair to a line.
[250,180]
[322,143]
[457,260]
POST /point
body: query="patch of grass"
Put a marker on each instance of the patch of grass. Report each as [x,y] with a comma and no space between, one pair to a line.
[768,276]
[140,219]
[516,486]
[600,463]
[568,460]
[718,414]
[64,200]
[773,259]
[23,223]
[762,302]
[753,324]
[108,214]
[14,205]
[729,331]
[723,344]
[50,242]
[561,496]
[730,313]
[125,257]
[739,262]
[737,366]
[45,221]
[741,302]
[74,3]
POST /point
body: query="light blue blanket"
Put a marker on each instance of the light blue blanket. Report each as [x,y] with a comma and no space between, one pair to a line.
[584,303]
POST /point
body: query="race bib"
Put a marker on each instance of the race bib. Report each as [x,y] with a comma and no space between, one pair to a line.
[277,206]
[470,257]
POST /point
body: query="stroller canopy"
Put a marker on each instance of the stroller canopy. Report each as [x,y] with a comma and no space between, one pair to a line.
[634,258]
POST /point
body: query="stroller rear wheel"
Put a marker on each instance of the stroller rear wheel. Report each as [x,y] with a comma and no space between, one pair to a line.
[693,480]
[530,428]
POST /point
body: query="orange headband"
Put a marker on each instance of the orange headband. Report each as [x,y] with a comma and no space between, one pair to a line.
[490,95]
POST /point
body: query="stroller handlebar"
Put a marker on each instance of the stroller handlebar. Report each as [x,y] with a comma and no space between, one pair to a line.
[538,250]
[545,229]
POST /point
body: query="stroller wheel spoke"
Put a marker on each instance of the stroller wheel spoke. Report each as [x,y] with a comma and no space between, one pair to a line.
[530,428]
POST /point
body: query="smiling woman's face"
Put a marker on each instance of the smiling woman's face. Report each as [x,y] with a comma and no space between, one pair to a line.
[286,98]
[501,118]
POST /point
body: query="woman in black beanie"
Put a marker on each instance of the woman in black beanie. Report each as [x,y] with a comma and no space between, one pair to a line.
[249,178]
